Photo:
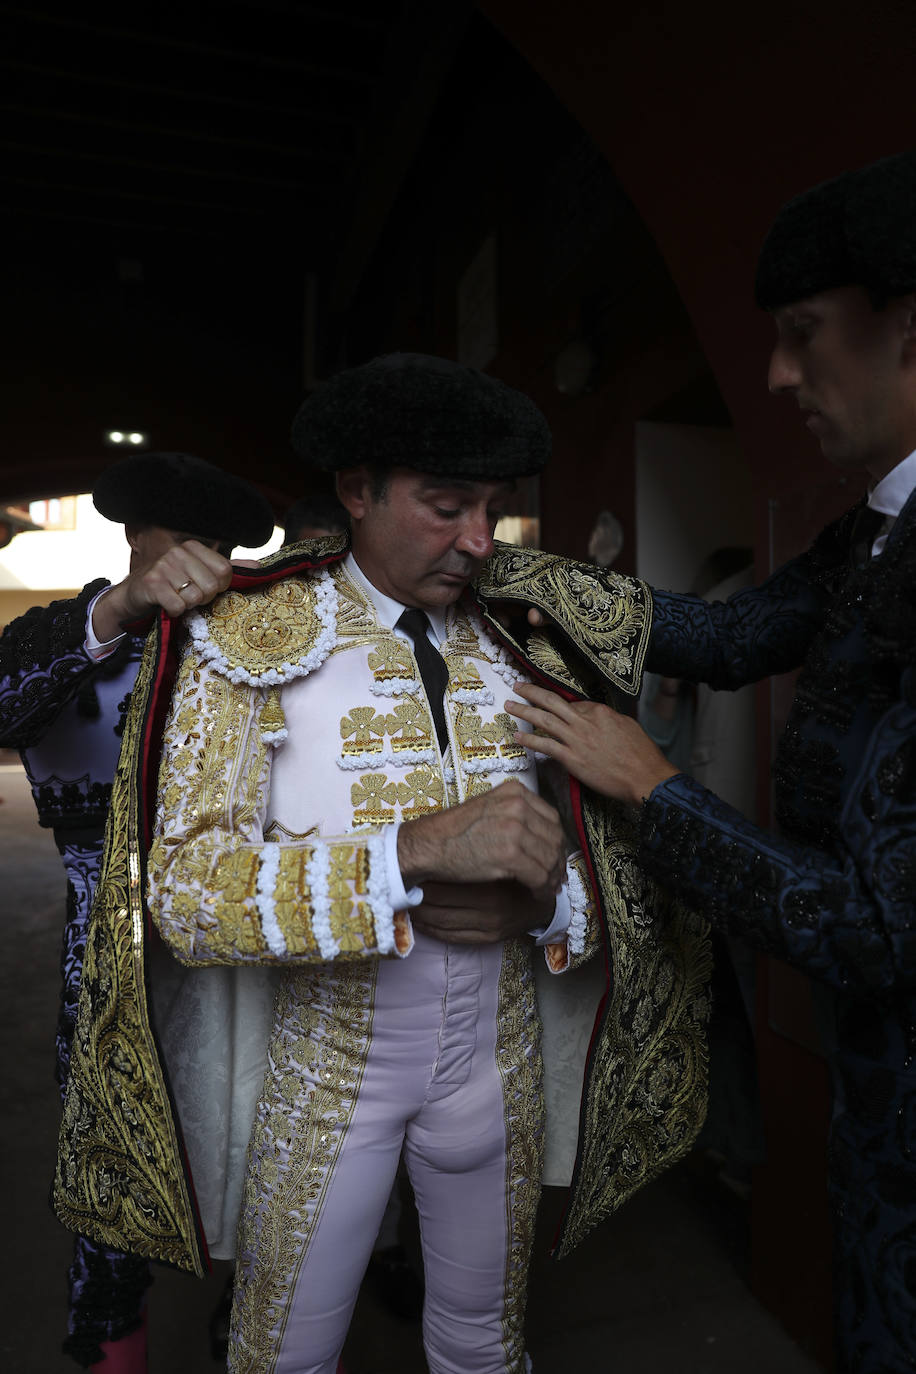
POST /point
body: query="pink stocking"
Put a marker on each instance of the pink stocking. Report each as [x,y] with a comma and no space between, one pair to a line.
[125,1356]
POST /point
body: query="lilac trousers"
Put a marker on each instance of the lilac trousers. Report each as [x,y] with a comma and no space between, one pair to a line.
[439,1054]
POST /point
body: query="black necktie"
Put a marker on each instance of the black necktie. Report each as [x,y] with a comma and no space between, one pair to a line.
[432,665]
[864,533]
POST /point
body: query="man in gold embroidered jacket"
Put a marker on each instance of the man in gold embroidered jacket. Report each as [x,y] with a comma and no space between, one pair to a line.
[314,821]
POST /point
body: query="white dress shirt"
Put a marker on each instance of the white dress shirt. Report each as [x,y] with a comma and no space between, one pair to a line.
[890,495]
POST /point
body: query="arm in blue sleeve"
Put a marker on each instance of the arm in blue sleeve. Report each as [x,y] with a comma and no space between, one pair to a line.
[42,665]
[846,918]
[756,632]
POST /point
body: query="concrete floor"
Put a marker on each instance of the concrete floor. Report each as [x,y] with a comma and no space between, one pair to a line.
[657,1288]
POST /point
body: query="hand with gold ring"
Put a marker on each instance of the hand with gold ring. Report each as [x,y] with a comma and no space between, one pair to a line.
[167,571]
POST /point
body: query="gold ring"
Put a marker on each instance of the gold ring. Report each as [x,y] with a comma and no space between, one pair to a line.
[183,585]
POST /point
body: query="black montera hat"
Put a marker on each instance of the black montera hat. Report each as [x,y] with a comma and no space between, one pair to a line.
[181,492]
[416,411]
[857,230]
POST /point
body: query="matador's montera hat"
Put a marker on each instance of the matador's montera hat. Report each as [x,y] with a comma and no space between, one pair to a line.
[416,411]
[181,492]
[857,230]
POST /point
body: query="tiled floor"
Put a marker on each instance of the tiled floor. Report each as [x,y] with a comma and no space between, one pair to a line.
[657,1290]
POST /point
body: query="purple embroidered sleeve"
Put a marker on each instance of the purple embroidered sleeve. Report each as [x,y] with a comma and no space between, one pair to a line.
[42,665]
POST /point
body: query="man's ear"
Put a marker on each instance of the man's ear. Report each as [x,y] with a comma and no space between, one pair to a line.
[354,490]
[130,534]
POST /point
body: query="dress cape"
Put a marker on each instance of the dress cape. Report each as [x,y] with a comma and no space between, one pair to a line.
[122,1175]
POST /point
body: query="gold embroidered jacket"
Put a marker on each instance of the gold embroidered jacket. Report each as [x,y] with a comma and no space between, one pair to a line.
[121,1175]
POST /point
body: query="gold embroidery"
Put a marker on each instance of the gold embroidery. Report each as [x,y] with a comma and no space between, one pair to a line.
[318,549]
[292,902]
[235,878]
[472,741]
[272,718]
[502,732]
[266,629]
[421,793]
[409,725]
[351,924]
[317,1057]
[606,615]
[390,660]
[646,1079]
[119,1177]
[373,797]
[518,1055]
[356,618]
[276,830]
[462,675]
[364,723]
[462,640]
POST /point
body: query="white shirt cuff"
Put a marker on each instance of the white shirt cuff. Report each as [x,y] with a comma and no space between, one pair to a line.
[562,916]
[95,647]
[401,899]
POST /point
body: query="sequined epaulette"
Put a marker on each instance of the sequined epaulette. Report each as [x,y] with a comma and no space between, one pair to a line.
[271,635]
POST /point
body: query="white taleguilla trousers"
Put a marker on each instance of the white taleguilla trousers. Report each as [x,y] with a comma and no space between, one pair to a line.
[437,1053]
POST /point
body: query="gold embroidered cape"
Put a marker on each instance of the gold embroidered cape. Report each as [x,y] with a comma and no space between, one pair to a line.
[121,1177]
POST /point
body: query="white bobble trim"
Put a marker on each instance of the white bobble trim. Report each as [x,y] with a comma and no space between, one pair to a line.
[268,869]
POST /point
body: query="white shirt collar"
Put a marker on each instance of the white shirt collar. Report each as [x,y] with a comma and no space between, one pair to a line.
[387,610]
[891,494]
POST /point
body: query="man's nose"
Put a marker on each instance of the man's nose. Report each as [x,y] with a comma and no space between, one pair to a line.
[782,376]
[476,537]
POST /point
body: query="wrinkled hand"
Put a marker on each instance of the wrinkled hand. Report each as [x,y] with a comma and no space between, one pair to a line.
[480,913]
[609,752]
[509,833]
[186,575]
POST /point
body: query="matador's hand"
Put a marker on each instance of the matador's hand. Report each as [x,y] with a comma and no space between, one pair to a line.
[609,752]
[480,913]
[509,833]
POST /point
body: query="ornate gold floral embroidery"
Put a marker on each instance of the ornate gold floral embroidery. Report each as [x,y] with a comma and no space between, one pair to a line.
[646,1074]
[409,725]
[606,615]
[373,798]
[119,1177]
[292,901]
[348,878]
[472,740]
[518,1055]
[318,549]
[266,629]
[322,1034]
[463,641]
[363,731]
[356,619]
[462,675]
[272,717]
[501,731]
[390,661]
[235,878]
[421,793]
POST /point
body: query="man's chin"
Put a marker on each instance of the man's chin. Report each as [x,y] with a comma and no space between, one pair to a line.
[445,589]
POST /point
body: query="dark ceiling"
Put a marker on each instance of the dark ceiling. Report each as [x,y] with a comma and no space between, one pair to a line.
[178,178]
[239,121]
